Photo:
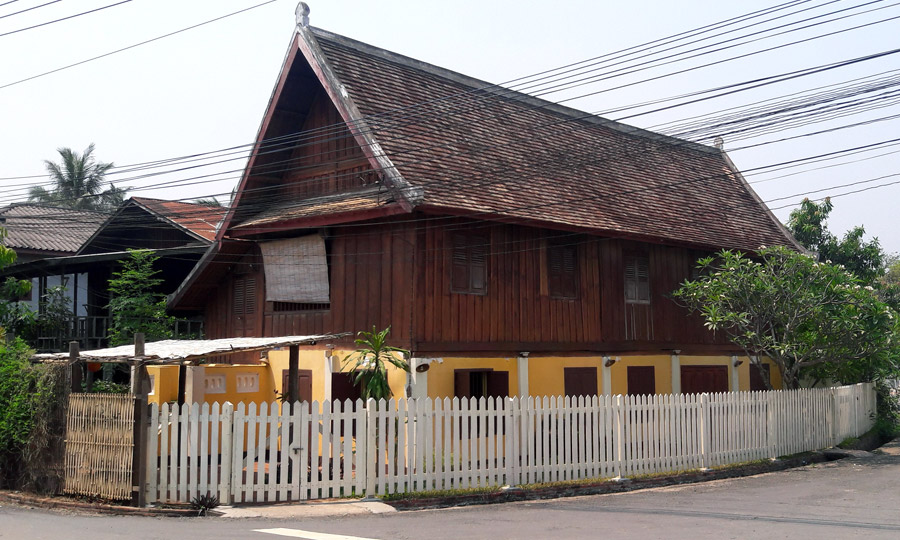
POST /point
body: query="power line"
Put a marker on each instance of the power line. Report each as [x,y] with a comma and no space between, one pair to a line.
[28,9]
[157,38]
[63,18]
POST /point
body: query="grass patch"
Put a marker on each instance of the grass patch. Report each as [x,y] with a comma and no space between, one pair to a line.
[441,493]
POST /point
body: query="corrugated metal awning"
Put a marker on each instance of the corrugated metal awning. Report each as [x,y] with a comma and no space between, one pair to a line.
[175,351]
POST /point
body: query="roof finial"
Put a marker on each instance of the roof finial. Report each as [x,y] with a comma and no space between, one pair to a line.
[719,142]
[302,13]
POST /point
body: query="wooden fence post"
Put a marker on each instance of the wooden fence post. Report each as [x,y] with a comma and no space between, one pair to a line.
[75,366]
[619,440]
[705,438]
[139,456]
[293,389]
[371,449]
[225,479]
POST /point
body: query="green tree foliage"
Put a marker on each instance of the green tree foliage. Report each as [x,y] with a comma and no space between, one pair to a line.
[812,319]
[808,225]
[134,305]
[78,180]
[369,363]
[14,317]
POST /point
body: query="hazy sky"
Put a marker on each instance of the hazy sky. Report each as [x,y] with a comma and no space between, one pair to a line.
[207,88]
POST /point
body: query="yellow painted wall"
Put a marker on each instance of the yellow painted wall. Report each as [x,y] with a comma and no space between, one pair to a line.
[265,392]
[165,384]
[440,373]
[546,375]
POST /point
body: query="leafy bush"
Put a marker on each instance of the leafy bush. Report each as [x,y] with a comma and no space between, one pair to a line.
[32,422]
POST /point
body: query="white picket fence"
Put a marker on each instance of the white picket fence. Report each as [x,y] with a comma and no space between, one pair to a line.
[287,453]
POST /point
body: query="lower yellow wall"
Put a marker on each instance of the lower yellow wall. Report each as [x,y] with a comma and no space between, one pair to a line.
[545,374]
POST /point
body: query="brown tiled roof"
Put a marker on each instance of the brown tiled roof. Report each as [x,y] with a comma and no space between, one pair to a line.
[504,154]
[199,219]
[43,228]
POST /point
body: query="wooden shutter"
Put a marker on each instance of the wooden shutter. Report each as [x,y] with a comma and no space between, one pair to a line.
[580,381]
[468,262]
[497,384]
[699,379]
[637,279]
[461,387]
[244,296]
[641,380]
[759,374]
[562,276]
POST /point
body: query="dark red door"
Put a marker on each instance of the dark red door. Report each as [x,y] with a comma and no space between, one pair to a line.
[305,378]
[641,380]
[699,379]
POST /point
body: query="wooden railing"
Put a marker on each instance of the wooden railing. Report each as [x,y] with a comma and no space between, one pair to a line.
[271,452]
[92,332]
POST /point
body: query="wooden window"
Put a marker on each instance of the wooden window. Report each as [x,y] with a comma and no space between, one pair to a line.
[641,380]
[580,381]
[244,296]
[562,270]
[699,379]
[468,264]
[637,279]
[759,374]
[478,383]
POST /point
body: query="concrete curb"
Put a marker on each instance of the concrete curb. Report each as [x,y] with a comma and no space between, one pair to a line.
[64,503]
[609,486]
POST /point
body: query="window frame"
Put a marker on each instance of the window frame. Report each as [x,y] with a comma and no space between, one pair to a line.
[560,291]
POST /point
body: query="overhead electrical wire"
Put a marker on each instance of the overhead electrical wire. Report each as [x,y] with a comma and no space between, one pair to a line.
[64,18]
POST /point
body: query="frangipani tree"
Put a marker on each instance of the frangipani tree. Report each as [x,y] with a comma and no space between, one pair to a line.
[809,318]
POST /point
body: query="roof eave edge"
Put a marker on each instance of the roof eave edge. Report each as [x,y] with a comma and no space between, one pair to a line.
[406,195]
[784,230]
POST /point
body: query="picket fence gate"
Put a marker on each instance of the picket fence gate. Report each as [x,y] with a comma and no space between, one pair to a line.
[279,452]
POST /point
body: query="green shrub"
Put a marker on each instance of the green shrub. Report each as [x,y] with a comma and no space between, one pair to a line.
[32,422]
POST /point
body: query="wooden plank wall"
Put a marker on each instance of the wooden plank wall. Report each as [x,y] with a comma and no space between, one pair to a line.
[328,161]
[513,309]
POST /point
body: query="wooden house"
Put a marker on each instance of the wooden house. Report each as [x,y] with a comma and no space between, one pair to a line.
[178,232]
[513,245]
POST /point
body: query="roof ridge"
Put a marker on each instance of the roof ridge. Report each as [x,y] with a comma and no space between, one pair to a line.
[461,78]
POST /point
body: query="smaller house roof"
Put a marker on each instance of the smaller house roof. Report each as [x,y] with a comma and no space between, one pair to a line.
[36,227]
[198,219]
[184,350]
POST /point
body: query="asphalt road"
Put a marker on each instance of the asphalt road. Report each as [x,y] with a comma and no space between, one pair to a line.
[856,498]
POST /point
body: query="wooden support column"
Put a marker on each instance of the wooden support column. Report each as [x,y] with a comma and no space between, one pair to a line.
[75,365]
[139,453]
[293,389]
[735,373]
[138,354]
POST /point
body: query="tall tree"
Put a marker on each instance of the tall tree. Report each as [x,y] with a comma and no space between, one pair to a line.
[78,180]
[810,318]
[808,223]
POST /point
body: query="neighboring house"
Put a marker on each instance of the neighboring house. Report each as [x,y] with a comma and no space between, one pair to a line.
[513,245]
[178,232]
[37,232]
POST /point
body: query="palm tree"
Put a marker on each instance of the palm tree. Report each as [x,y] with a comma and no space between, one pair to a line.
[79,181]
